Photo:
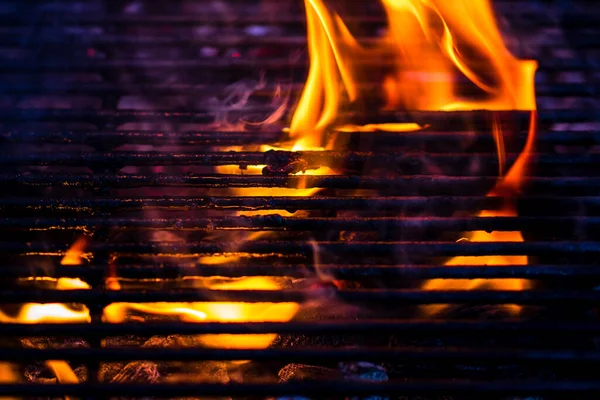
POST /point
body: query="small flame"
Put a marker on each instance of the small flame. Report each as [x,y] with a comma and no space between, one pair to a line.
[76,253]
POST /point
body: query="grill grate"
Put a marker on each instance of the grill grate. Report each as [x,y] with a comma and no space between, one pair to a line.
[114,117]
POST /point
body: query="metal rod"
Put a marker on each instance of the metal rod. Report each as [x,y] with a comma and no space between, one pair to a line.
[571,248]
[31,64]
[317,327]
[430,204]
[243,40]
[277,222]
[346,271]
[310,159]
[102,88]
[361,296]
[572,19]
[307,389]
[407,185]
[303,355]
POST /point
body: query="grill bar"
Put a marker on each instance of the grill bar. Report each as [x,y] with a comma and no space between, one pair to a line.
[309,328]
[409,185]
[435,141]
[583,41]
[431,203]
[305,355]
[570,19]
[332,388]
[360,296]
[342,248]
[28,65]
[347,272]
[312,159]
[103,88]
[277,222]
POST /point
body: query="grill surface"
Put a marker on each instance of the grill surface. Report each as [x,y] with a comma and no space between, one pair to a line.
[114,117]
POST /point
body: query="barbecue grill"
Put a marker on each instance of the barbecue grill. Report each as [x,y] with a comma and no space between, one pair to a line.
[130,140]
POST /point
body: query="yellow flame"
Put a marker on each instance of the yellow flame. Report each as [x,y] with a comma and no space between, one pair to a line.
[198,312]
[76,253]
[429,43]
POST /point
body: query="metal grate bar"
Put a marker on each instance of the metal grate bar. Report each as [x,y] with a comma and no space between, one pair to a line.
[342,272]
[571,19]
[436,141]
[430,203]
[108,88]
[408,185]
[448,118]
[472,327]
[360,296]
[342,248]
[411,354]
[277,222]
[30,64]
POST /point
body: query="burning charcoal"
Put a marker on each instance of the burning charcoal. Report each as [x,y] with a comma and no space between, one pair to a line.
[363,372]
[124,341]
[137,372]
[54,343]
[303,372]
[173,342]
[281,163]
[201,371]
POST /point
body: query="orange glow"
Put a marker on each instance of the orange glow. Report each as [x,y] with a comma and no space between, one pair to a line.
[76,253]
[430,43]
[199,312]
[389,127]
[509,186]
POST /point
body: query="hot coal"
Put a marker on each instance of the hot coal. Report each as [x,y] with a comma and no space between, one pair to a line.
[137,372]
[201,371]
[302,372]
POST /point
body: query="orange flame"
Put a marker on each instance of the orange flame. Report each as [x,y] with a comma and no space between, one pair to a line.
[199,312]
[76,253]
[430,44]
[34,313]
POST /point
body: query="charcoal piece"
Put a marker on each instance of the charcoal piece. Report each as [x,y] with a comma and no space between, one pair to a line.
[54,343]
[362,371]
[302,372]
[194,372]
[137,372]
[201,371]
[124,341]
[173,342]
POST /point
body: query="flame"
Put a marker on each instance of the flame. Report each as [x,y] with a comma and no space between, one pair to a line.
[508,187]
[198,312]
[76,253]
[51,313]
[429,43]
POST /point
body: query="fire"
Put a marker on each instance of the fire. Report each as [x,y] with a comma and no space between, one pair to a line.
[429,43]
[54,313]
[76,253]
[198,312]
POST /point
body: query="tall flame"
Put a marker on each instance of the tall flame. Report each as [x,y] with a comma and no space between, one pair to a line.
[429,43]
[432,45]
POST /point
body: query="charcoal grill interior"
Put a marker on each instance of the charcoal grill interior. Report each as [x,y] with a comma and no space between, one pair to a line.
[129,132]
